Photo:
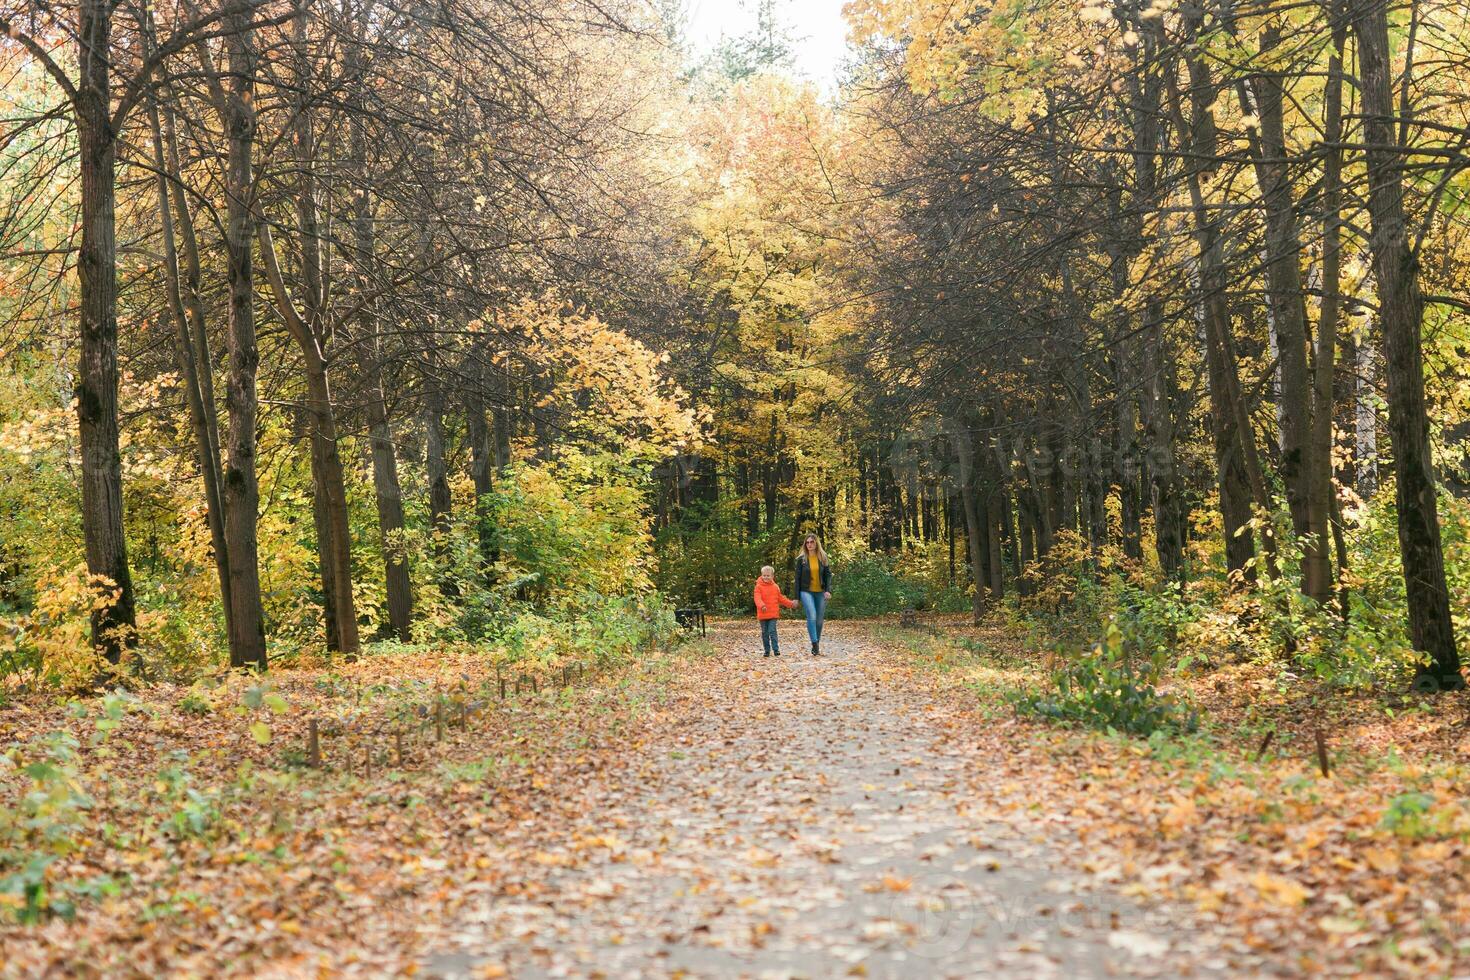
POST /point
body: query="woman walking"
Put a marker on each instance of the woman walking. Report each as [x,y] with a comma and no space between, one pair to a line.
[813,588]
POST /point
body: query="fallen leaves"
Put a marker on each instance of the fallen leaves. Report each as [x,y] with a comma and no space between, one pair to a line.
[1181,815]
[227,860]
[1372,861]
[1281,891]
[566,830]
[889,883]
[1138,943]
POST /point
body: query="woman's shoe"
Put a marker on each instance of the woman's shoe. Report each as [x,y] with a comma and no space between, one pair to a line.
[816,649]
[766,654]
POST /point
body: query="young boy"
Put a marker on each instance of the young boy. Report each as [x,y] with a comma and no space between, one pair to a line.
[768,603]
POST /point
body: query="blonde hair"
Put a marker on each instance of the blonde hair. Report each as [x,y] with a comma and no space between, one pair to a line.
[767,568]
[821,552]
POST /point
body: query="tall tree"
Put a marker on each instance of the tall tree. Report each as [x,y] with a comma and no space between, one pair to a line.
[1401,317]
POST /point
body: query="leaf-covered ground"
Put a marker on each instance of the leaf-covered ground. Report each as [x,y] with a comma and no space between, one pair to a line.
[1359,873]
[879,811]
[198,845]
[815,817]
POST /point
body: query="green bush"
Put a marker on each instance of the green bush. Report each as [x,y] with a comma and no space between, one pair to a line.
[43,827]
[872,583]
[1112,687]
[707,558]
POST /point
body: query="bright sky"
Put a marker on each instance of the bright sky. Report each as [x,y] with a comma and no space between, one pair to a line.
[816,25]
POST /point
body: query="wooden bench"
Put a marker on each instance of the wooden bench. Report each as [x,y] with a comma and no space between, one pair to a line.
[691,618]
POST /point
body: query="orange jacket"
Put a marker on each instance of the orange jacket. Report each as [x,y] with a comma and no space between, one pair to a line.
[768,600]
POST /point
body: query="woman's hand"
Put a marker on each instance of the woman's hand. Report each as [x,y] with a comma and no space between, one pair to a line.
[826,595]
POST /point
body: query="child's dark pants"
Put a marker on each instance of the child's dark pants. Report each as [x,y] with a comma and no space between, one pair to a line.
[768,636]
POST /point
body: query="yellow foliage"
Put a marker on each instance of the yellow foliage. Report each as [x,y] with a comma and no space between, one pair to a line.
[56,634]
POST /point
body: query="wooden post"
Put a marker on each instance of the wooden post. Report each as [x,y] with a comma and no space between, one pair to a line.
[1265,744]
[501,681]
[1322,753]
[313,745]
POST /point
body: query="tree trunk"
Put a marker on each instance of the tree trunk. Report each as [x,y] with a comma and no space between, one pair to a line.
[481,471]
[311,331]
[387,490]
[322,527]
[389,495]
[1317,577]
[114,619]
[1097,496]
[329,484]
[949,522]
[440,501]
[1157,395]
[1235,507]
[995,529]
[976,549]
[241,491]
[1365,415]
[186,346]
[331,490]
[1401,312]
[1126,469]
[1286,296]
[1225,389]
[1026,553]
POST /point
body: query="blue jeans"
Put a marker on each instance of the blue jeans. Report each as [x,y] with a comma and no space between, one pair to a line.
[769,640]
[814,604]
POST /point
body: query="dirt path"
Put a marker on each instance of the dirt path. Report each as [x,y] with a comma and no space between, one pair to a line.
[804,818]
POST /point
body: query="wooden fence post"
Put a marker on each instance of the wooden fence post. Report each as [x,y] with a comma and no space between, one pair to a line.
[313,745]
[1265,744]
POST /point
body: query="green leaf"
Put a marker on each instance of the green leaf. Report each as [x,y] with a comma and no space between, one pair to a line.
[261,732]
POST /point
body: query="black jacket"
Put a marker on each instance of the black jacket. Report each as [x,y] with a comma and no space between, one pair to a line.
[803,576]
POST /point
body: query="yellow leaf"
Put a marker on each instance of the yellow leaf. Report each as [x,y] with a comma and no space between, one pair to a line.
[1181,815]
[1280,891]
[1338,925]
[1382,859]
